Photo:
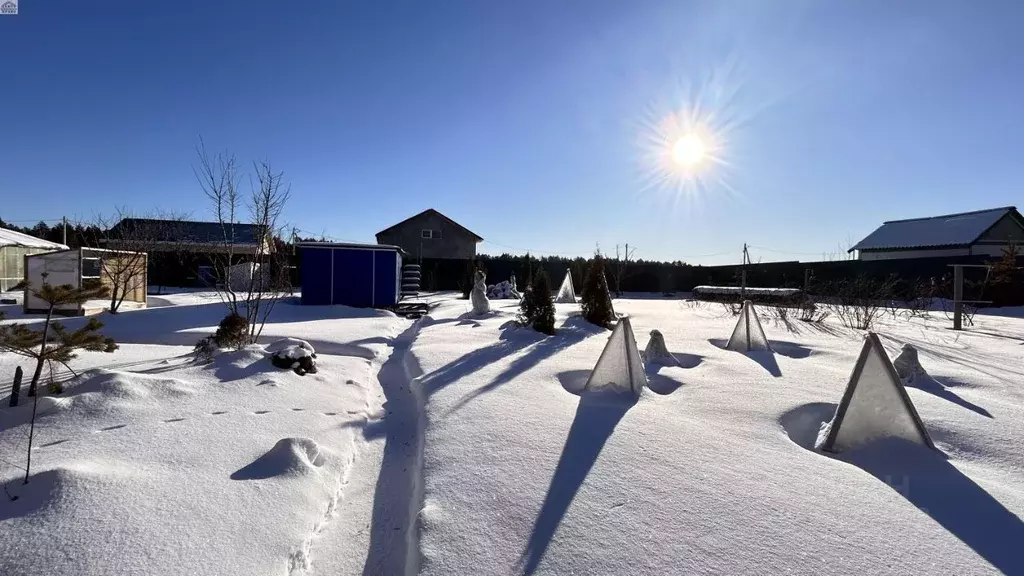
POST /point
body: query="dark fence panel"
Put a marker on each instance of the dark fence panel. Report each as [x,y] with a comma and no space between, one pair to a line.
[665,277]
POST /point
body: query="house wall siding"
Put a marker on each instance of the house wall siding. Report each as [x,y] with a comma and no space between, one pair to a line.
[454,242]
[903,254]
[1007,231]
[974,250]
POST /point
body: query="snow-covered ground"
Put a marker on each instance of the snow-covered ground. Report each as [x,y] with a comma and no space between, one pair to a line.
[155,465]
[463,445]
[710,471]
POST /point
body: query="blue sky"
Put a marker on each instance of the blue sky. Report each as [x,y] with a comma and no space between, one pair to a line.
[523,120]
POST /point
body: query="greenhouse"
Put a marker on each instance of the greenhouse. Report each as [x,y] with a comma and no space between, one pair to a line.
[14,246]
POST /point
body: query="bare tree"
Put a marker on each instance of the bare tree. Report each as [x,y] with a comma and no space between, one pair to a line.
[250,289]
[131,240]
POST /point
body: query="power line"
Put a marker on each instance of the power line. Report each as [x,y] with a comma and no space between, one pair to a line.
[787,251]
[531,250]
[34,221]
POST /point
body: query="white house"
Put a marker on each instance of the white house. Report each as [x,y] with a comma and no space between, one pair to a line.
[979,233]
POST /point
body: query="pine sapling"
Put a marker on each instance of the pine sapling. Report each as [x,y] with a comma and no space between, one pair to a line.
[54,343]
[596,301]
[543,303]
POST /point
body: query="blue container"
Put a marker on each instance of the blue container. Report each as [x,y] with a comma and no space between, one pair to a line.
[359,275]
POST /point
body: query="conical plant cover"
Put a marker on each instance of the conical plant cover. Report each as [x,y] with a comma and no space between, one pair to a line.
[748,334]
[566,294]
[619,368]
[875,405]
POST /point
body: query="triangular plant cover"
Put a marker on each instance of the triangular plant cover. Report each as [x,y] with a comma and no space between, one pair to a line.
[875,405]
[566,294]
[748,334]
[619,368]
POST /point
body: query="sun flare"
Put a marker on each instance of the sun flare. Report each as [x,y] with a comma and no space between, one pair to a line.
[688,151]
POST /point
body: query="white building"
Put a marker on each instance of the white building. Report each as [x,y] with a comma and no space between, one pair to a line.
[979,233]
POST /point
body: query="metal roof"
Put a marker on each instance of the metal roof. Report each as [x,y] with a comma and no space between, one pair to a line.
[12,238]
[189,231]
[354,245]
[960,229]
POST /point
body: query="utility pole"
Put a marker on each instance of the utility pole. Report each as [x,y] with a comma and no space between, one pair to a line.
[958,297]
[743,273]
[65,222]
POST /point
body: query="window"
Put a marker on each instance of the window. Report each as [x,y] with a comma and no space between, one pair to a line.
[91,267]
[435,234]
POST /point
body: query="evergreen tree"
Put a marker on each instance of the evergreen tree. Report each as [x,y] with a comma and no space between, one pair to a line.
[596,301]
[53,342]
[1006,279]
[537,307]
[526,269]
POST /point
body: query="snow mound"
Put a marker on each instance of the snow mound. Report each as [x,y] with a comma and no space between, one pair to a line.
[503,291]
[293,354]
[289,457]
[657,352]
[237,364]
[52,491]
[108,388]
[907,364]
[298,348]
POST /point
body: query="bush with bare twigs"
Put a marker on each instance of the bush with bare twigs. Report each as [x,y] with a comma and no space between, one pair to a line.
[858,302]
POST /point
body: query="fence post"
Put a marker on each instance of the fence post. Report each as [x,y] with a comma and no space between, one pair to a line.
[958,296]
[16,387]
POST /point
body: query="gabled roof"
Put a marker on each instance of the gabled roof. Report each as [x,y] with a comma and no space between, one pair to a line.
[949,230]
[431,211]
[190,231]
[12,238]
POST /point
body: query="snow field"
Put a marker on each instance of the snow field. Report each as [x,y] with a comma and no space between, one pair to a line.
[461,444]
[710,471]
[155,465]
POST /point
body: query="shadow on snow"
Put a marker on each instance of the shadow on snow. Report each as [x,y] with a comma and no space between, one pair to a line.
[928,481]
[597,415]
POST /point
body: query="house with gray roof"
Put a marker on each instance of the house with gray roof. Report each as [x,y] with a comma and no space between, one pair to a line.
[431,234]
[978,233]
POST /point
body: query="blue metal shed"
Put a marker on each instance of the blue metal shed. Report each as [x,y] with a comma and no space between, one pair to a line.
[359,275]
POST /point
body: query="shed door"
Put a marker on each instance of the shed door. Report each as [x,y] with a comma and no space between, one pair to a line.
[316,276]
[386,281]
[353,277]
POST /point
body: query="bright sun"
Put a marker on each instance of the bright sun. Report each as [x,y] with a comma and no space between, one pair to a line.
[688,151]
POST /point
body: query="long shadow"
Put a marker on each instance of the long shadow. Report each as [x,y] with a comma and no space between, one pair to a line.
[470,362]
[975,362]
[935,388]
[790,349]
[659,384]
[597,415]
[926,479]
[803,422]
[177,323]
[766,358]
[546,348]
